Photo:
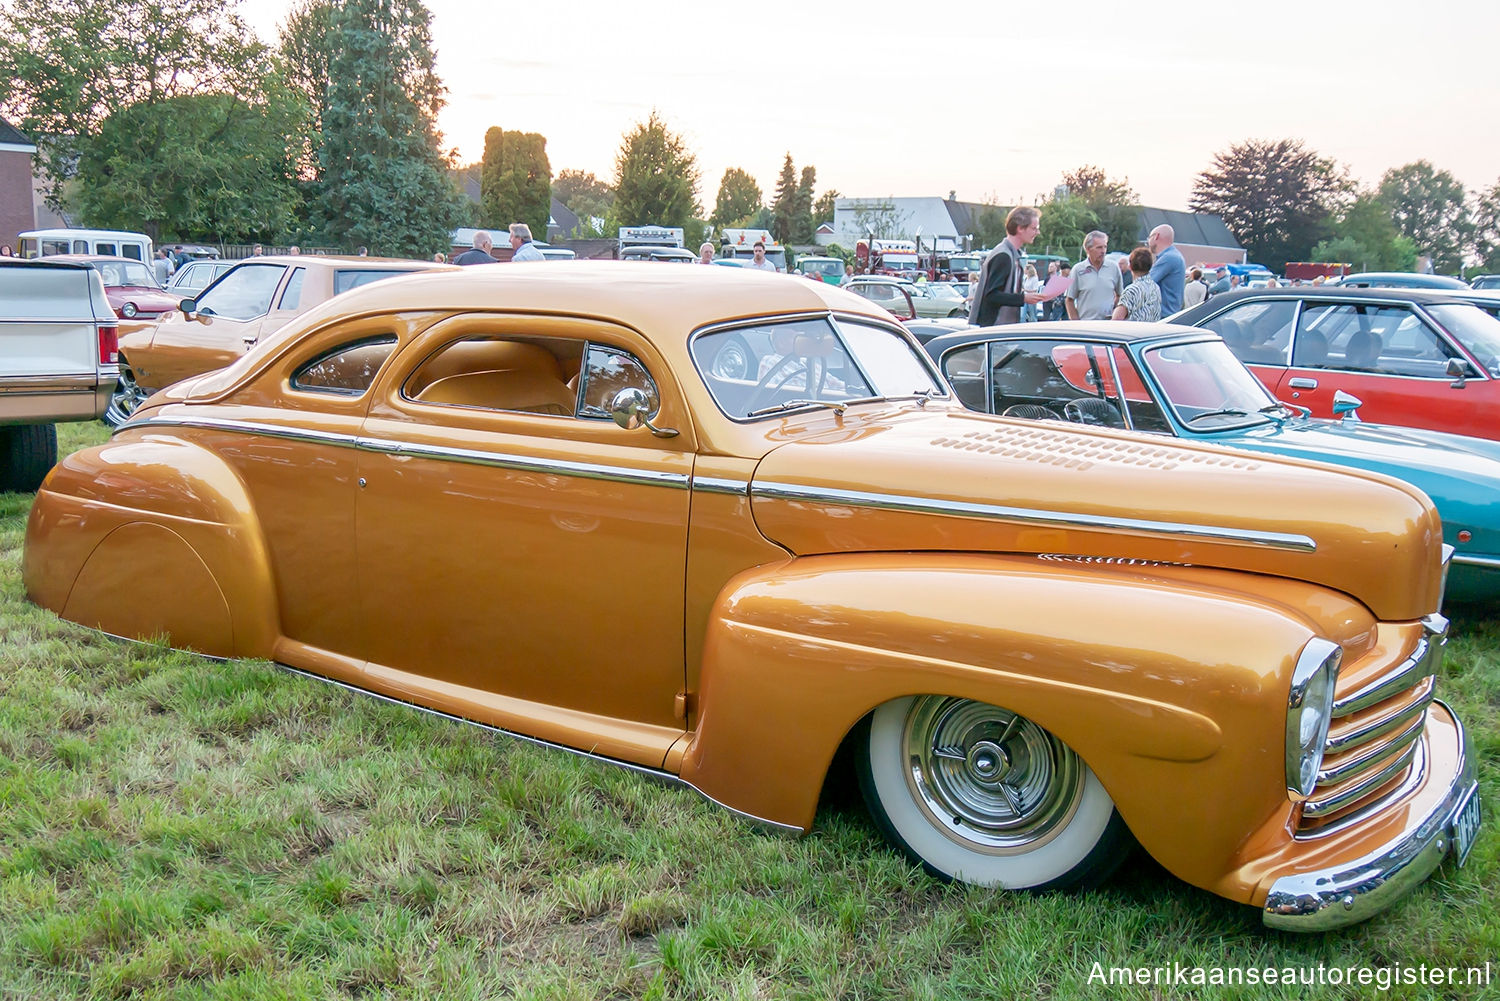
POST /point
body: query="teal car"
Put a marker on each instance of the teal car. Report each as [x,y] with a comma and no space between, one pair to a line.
[1159,378]
[825,269]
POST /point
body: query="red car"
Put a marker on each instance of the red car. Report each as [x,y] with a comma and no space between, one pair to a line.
[129,286]
[1413,357]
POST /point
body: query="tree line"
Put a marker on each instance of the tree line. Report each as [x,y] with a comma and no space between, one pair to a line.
[1285,202]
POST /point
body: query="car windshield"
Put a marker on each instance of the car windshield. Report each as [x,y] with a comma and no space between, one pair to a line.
[757,370]
[118,273]
[964,263]
[1207,387]
[1476,330]
[823,267]
[243,293]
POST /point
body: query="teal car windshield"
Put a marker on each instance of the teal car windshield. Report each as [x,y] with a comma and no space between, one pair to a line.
[1207,387]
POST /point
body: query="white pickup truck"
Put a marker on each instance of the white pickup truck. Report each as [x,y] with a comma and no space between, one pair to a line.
[59,358]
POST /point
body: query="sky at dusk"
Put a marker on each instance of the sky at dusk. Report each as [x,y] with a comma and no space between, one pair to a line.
[900,99]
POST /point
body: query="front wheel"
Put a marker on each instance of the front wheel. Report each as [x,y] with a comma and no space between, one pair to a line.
[127,396]
[982,795]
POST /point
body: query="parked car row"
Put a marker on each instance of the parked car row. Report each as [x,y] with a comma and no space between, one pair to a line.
[1040,641]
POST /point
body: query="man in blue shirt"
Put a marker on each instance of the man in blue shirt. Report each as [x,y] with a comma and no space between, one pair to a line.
[1170,270]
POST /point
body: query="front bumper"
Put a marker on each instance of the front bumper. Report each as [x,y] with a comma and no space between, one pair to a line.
[1348,893]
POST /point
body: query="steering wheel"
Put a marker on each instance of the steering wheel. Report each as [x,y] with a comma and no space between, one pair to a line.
[784,371]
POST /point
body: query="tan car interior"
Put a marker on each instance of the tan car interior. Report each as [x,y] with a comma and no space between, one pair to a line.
[497,375]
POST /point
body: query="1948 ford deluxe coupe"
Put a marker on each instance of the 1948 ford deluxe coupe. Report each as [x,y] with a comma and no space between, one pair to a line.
[534,499]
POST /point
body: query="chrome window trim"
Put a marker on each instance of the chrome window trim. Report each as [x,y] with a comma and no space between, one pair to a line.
[302,369]
[998,512]
[828,315]
[382,446]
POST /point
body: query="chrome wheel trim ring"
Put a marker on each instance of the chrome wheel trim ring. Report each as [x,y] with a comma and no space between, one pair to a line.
[989,779]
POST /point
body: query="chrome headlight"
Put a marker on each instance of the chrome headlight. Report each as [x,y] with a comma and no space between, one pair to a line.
[128,310]
[1309,710]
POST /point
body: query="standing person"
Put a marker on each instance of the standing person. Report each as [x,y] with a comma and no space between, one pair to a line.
[363,251]
[257,251]
[998,297]
[1141,301]
[481,252]
[1125,277]
[1054,308]
[1031,283]
[1197,289]
[1096,287]
[294,250]
[440,258]
[1221,281]
[759,260]
[161,267]
[520,242]
[706,254]
[1170,270]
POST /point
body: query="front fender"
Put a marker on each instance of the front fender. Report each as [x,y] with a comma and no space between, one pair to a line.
[1170,681]
[152,537]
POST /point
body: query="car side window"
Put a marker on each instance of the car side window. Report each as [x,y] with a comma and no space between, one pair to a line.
[606,371]
[347,370]
[1259,333]
[532,375]
[964,370]
[1389,340]
[291,296]
[243,293]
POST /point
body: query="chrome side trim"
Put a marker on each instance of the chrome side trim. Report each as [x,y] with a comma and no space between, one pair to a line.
[1347,894]
[381,446]
[718,485]
[1424,661]
[655,774]
[526,463]
[1493,562]
[968,509]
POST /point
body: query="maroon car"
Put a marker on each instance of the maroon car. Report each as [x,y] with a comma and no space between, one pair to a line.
[129,285]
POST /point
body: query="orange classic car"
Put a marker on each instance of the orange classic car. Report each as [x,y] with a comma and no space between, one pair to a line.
[537,499]
[223,321]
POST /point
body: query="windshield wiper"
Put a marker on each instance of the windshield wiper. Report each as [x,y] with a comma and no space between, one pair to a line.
[1278,411]
[839,406]
[1226,412]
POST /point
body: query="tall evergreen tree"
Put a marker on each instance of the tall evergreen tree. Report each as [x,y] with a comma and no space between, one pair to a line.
[380,178]
[656,177]
[784,208]
[515,183]
[803,224]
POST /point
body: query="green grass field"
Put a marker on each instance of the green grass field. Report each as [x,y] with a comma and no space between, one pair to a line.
[172,827]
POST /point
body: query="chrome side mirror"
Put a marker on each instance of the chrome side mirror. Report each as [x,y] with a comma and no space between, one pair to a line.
[1345,405]
[1458,371]
[631,408]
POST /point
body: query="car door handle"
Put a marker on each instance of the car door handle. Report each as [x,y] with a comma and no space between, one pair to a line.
[1302,383]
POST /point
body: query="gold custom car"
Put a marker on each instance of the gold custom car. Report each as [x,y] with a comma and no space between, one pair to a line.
[247,302]
[538,499]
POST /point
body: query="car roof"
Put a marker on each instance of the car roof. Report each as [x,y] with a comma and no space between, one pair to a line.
[1333,293]
[1411,278]
[342,261]
[1102,331]
[659,302]
[87,258]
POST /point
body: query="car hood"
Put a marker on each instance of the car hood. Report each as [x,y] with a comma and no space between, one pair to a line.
[149,300]
[955,481]
[1460,474]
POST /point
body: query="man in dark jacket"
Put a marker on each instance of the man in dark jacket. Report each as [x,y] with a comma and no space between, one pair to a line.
[999,297]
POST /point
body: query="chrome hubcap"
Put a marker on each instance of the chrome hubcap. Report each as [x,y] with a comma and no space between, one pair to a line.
[730,362]
[990,779]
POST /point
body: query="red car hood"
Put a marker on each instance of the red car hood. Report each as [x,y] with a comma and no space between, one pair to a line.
[147,300]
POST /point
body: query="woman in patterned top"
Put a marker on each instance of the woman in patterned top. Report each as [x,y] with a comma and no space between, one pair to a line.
[1141,299]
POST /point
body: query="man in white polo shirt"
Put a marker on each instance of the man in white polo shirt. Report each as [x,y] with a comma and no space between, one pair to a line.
[1096,286]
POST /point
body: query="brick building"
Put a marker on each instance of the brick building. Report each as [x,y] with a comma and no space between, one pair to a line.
[17,214]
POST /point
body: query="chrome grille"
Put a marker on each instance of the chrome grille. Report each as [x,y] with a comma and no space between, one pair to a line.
[1373,753]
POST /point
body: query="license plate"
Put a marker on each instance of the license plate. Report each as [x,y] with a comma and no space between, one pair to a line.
[1466,825]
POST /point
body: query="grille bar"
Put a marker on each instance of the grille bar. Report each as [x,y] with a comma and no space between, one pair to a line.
[1338,798]
[1344,739]
[1371,756]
